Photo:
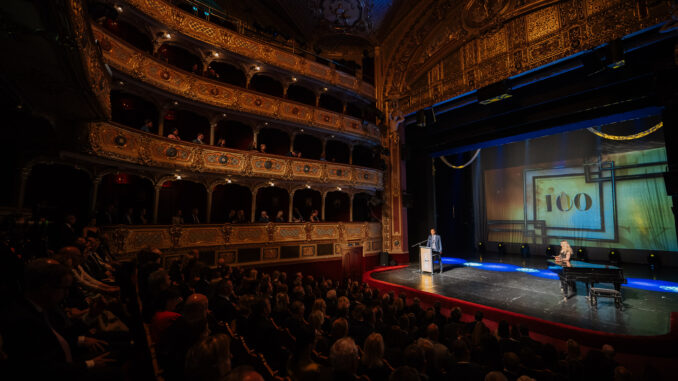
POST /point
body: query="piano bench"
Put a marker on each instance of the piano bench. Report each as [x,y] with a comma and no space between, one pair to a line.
[597,292]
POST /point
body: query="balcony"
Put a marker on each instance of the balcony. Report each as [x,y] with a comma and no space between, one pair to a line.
[113,141]
[227,39]
[148,69]
[249,243]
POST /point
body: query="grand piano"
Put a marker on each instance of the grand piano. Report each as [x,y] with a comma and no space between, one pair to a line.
[570,272]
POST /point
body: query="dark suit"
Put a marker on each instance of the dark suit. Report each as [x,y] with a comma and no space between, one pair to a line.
[33,349]
[436,246]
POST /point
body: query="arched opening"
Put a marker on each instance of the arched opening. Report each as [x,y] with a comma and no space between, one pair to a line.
[353,110]
[234,134]
[361,207]
[229,73]
[228,200]
[364,156]
[301,94]
[337,152]
[120,192]
[368,68]
[337,206]
[331,103]
[184,196]
[54,190]
[347,66]
[304,202]
[132,111]
[188,124]
[277,141]
[180,58]
[272,200]
[267,85]
[130,34]
[309,146]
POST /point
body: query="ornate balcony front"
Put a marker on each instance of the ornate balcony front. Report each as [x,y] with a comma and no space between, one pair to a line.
[121,143]
[215,35]
[148,69]
[249,243]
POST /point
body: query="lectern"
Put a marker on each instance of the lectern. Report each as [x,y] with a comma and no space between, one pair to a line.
[425,259]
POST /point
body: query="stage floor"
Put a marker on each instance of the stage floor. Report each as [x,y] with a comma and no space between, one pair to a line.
[645,313]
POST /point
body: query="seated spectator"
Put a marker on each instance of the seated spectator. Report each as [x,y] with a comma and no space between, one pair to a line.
[165,315]
[372,362]
[143,216]
[91,230]
[231,216]
[147,126]
[262,148]
[36,341]
[209,359]
[221,143]
[296,216]
[174,134]
[195,69]
[294,154]
[128,217]
[178,218]
[263,217]
[199,139]
[241,218]
[195,218]
[344,359]
[224,303]
[211,73]
[314,216]
[280,217]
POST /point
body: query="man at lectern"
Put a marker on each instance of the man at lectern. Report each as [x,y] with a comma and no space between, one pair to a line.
[436,246]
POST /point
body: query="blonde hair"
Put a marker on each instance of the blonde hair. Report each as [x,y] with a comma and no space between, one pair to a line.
[373,351]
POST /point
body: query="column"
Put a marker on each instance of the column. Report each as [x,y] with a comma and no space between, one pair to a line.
[213,128]
[25,173]
[161,121]
[322,207]
[343,107]
[291,210]
[350,207]
[294,135]
[156,203]
[208,208]
[255,137]
[254,205]
[324,152]
[95,193]
[317,100]
[350,154]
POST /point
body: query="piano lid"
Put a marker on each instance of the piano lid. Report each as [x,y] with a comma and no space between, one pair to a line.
[581,265]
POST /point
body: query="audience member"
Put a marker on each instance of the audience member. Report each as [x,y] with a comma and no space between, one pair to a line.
[199,139]
[195,218]
[178,218]
[263,217]
[280,216]
[174,134]
[147,126]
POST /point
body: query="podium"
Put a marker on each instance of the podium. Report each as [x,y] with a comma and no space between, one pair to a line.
[426,259]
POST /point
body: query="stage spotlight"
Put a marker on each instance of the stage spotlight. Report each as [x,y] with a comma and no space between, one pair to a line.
[549,251]
[654,261]
[614,257]
[525,250]
[582,255]
[481,246]
[501,249]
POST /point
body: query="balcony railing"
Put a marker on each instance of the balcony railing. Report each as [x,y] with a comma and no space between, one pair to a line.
[249,243]
[113,141]
[210,33]
[129,60]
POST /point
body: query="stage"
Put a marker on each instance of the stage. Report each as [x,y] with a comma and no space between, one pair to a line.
[525,287]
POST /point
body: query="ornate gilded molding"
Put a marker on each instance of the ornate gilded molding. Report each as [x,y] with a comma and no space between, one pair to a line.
[132,238]
[121,143]
[224,38]
[146,68]
[455,47]
[97,76]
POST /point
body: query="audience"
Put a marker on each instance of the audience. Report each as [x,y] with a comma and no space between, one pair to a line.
[80,313]
[174,134]
[147,126]
[199,139]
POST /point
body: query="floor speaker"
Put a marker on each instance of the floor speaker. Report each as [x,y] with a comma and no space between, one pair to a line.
[383,258]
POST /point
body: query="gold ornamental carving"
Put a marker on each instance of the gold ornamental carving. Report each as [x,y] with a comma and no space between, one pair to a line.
[129,60]
[175,234]
[220,37]
[226,231]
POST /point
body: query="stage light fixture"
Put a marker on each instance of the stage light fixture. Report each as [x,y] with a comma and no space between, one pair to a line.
[501,248]
[118,8]
[229,181]
[168,36]
[178,177]
[582,255]
[308,186]
[525,250]
[294,79]
[549,251]
[613,256]
[176,103]
[216,54]
[271,183]
[481,246]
